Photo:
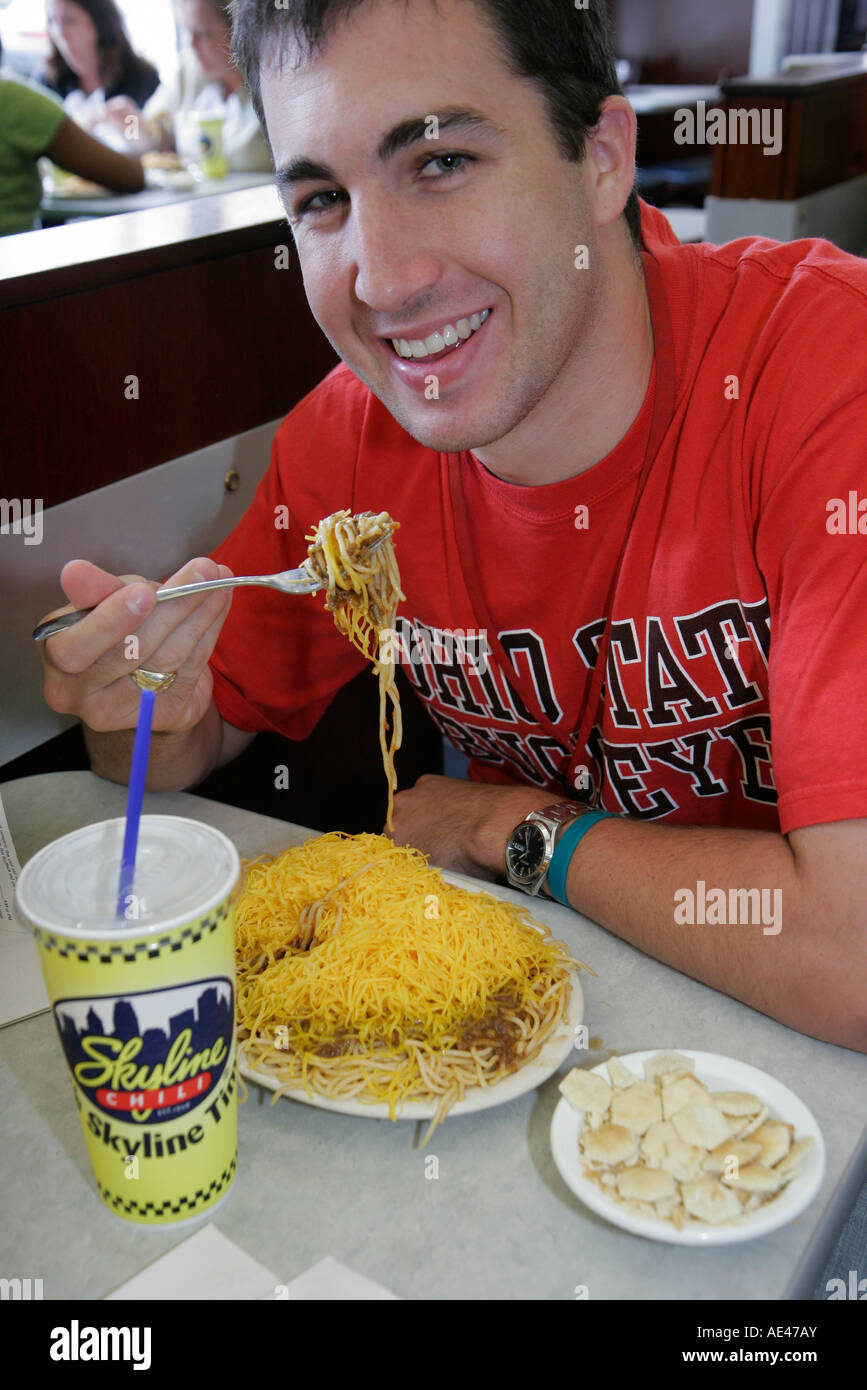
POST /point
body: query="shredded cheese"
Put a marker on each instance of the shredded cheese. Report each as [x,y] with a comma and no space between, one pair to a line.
[410,986]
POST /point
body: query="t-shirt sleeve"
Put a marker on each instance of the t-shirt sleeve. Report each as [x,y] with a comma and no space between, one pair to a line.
[280,660]
[809,503]
[31,118]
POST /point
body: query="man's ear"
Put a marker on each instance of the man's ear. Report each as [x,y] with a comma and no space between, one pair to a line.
[610,160]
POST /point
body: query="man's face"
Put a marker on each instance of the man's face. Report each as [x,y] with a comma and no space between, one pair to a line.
[412,238]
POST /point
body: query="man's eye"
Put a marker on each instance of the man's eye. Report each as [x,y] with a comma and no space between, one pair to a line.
[449,164]
[320,202]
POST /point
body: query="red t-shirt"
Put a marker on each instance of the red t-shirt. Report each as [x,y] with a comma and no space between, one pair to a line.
[736,684]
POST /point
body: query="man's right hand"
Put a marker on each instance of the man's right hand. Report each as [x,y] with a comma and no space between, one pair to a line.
[88,667]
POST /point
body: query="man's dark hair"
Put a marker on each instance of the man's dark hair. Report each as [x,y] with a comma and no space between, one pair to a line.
[566,51]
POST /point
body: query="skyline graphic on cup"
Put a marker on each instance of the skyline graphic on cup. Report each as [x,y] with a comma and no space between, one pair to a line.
[163,1054]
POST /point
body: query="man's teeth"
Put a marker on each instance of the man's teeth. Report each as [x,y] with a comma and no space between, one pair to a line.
[450,336]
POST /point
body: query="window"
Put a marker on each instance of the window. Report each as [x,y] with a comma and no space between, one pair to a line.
[150,25]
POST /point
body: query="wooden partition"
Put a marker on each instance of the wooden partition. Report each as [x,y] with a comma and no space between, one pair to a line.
[824,136]
[676,41]
[133,340]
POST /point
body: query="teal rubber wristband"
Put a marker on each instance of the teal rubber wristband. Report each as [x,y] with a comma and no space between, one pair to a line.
[566,847]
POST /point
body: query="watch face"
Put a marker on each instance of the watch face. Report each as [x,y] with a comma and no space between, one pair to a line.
[525,852]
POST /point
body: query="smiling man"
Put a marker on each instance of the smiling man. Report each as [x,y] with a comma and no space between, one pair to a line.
[436,215]
[611,458]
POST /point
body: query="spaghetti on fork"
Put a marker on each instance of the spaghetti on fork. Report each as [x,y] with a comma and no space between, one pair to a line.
[353,559]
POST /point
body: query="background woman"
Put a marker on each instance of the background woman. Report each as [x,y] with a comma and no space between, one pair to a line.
[91,61]
[90,51]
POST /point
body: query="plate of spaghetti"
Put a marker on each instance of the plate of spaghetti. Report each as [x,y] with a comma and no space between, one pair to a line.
[352,558]
[372,984]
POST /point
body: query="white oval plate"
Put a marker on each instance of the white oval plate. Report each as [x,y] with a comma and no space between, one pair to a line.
[718,1074]
[526,1078]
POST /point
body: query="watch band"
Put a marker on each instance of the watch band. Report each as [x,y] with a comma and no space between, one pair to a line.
[566,845]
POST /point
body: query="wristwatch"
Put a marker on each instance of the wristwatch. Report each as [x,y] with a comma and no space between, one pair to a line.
[530,847]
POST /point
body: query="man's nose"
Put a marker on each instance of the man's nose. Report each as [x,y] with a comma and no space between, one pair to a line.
[394,262]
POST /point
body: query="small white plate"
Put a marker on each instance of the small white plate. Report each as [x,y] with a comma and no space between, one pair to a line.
[76,187]
[517,1083]
[718,1074]
[176,180]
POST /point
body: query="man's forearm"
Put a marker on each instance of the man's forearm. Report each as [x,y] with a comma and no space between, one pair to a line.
[651,884]
[176,761]
[766,938]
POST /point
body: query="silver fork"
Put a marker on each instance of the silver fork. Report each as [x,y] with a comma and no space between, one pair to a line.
[287,581]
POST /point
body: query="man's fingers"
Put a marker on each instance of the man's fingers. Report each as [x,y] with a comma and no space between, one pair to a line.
[86,585]
[173,631]
[130,626]
[103,631]
[86,665]
[188,644]
[121,603]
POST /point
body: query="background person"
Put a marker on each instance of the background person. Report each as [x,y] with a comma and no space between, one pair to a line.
[91,61]
[33,124]
[207,80]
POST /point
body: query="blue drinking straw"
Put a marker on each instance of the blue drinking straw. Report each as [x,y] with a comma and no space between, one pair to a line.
[137,775]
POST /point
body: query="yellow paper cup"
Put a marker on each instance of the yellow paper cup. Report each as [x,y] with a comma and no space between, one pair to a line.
[209,138]
[145,1007]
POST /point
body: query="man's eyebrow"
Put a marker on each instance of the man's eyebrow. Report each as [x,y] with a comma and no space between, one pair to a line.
[451,118]
[304,170]
[405,133]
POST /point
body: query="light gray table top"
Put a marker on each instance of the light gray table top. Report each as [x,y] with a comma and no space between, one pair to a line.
[646,99]
[110,204]
[498,1223]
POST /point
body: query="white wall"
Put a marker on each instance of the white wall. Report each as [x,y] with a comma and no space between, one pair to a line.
[149,524]
[781,27]
[151,27]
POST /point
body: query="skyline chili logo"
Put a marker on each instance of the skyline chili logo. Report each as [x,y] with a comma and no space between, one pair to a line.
[151,1056]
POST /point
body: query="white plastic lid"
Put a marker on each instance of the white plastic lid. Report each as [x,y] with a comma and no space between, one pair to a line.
[183,870]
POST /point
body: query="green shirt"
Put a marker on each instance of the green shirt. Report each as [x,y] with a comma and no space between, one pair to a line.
[29,120]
